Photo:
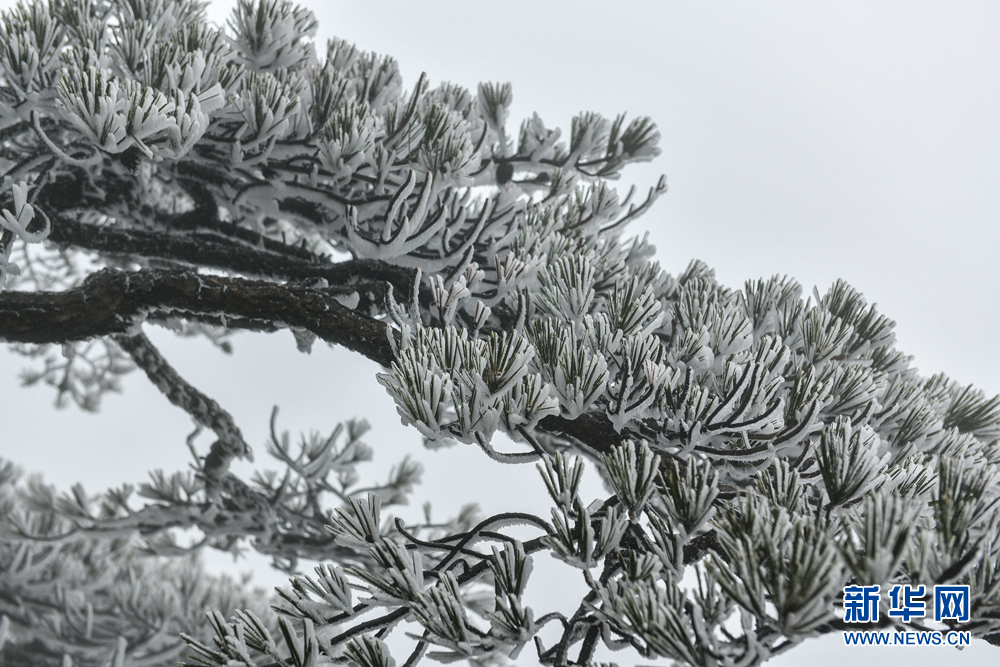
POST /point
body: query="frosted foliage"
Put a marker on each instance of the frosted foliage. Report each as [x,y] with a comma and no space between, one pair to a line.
[760,450]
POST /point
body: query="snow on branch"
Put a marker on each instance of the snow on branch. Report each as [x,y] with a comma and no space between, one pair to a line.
[158,168]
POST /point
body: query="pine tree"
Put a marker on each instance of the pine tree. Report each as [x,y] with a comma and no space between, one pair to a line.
[760,451]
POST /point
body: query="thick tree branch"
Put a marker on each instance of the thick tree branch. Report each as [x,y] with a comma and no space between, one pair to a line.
[114,302]
[593,430]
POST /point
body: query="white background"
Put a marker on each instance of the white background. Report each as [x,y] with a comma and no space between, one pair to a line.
[854,140]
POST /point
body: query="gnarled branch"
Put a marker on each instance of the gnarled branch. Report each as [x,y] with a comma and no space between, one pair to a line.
[114,302]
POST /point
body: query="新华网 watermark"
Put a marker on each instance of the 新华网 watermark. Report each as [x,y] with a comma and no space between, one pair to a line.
[906,602]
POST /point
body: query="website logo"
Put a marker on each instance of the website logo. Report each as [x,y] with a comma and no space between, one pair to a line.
[906,602]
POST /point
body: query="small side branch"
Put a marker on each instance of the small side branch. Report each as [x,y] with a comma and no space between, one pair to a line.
[203,409]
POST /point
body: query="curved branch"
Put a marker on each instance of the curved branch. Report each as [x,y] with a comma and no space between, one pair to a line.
[203,409]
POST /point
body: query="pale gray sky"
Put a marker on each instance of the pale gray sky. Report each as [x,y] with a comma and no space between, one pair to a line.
[855,140]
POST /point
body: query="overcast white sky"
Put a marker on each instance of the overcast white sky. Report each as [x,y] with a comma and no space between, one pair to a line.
[855,140]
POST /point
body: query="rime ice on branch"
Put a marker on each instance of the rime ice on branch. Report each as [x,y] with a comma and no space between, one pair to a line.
[159,170]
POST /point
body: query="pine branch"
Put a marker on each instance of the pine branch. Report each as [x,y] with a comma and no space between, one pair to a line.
[112,302]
